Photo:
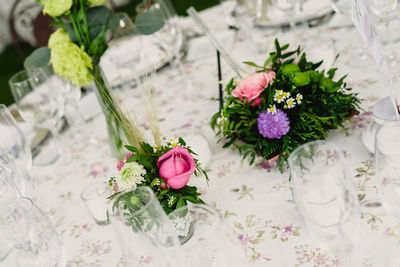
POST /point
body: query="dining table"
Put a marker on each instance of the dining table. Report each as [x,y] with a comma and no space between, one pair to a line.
[255,201]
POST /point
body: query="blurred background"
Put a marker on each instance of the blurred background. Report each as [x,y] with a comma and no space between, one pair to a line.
[23,27]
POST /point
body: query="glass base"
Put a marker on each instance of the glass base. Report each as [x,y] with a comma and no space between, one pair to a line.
[47,155]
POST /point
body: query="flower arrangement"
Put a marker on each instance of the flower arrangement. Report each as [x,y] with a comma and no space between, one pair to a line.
[85,28]
[166,169]
[285,103]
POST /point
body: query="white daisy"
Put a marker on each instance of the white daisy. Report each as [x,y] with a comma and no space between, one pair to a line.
[171,200]
[290,103]
[299,97]
[271,109]
[286,94]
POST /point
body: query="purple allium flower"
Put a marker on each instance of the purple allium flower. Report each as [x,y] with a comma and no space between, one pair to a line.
[273,125]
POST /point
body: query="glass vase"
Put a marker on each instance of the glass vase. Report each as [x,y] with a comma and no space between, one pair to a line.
[110,110]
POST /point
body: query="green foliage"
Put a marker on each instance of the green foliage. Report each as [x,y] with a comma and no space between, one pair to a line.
[325,105]
[169,198]
[39,58]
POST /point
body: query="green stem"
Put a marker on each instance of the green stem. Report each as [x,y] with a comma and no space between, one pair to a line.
[78,36]
[85,26]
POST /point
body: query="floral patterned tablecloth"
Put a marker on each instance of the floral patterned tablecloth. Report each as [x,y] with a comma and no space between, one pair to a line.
[256,201]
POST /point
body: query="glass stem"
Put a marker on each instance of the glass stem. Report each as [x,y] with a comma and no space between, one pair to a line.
[60,146]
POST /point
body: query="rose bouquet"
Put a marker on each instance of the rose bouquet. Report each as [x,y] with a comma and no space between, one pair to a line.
[166,169]
[85,28]
[285,103]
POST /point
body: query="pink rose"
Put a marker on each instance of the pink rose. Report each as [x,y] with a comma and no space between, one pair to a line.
[176,166]
[252,86]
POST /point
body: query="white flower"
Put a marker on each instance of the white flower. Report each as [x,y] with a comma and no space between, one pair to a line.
[279,98]
[131,175]
[221,119]
[286,94]
[290,103]
[171,200]
[170,142]
[299,97]
[271,109]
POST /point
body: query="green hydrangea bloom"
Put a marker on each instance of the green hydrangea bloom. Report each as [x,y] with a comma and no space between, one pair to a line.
[56,8]
[59,36]
[71,62]
[97,2]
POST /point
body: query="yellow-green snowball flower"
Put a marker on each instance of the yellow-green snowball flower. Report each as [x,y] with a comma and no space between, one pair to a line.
[71,62]
[59,36]
[56,8]
[97,2]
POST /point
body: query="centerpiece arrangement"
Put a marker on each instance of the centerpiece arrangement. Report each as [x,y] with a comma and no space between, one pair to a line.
[85,27]
[285,103]
[165,168]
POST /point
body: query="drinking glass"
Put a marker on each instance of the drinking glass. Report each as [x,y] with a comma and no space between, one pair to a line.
[387,165]
[170,37]
[95,198]
[8,190]
[14,149]
[29,231]
[325,196]
[198,228]
[142,226]
[39,105]
[384,10]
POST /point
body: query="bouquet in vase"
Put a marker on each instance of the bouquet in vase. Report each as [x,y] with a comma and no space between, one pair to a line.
[285,103]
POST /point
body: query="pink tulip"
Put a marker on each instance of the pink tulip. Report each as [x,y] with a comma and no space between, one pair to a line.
[252,86]
[176,166]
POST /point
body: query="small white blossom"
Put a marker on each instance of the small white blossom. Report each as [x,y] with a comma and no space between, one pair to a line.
[299,97]
[171,200]
[131,175]
[290,103]
[272,109]
[286,94]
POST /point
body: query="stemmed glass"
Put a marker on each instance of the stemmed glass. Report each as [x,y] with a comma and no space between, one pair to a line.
[387,165]
[14,148]
[170,37]
[325,196]
[384,10]
[29,231]
[288,8]
[40,105]
[8,190]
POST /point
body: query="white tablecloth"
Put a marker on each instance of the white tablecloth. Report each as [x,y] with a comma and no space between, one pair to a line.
[256,202]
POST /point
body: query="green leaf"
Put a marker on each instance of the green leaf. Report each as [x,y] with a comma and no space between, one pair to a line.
[113,22]
[133,158]
[39,58]
[289,70]
[132,149]
[181,203]
[301,79]
[328,85]
[97,16]
[193,199]
[252,64]
[98,45]
[147,23]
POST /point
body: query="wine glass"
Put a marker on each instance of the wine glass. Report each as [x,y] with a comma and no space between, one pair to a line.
[14,148]
[170,37]
[40,105]
[70,94]
[8,190]
[325,196]
[384,10]
[387,165]
[29,231]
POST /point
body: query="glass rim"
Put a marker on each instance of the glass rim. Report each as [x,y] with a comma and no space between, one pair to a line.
[319,142]
[142,188]
[89,186]
[13,80]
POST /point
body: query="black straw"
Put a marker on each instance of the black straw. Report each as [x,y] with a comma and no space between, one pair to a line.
[221,96]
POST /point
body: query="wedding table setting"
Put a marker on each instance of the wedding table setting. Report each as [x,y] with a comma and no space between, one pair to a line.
[280,149]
